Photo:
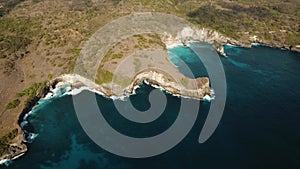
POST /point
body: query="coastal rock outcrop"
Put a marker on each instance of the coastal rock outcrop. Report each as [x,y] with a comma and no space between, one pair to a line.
[17,147]
[160,80]
[205,35]
[197,88]
[14,150]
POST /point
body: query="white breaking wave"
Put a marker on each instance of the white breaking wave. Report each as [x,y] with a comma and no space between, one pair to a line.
[76,91]
[23,123]
[7,162]
[31,137]
[4,161]
[48,96]
[255,44]
[231,45]
[26,115]
[61,90]
[17,156]
[174,45]
[123,98]
[207,98]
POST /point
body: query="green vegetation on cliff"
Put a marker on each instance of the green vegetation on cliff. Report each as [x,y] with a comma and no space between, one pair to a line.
[32,92]
[5,140]
[103,76]
[15,103]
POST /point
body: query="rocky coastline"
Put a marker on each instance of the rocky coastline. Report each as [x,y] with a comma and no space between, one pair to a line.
[19,145]
[152,77]
[190,34]
[218,40]
[15,149]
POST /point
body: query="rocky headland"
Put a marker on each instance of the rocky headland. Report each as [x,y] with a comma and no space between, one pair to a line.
[218,40]
[151,67]
[153,77]
[193,88]
[177,84]
[205,35]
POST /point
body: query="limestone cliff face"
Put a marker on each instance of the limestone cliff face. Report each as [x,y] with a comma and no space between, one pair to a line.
[218,40]
[195,88]
[191,88]
[204,35]
[201,35]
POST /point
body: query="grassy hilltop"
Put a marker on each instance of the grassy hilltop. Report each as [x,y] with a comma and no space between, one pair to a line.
[40,39]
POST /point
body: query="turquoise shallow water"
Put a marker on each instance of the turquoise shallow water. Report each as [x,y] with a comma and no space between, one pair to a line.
[259,128]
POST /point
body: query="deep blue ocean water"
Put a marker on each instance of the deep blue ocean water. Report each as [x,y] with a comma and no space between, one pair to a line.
[260,127]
